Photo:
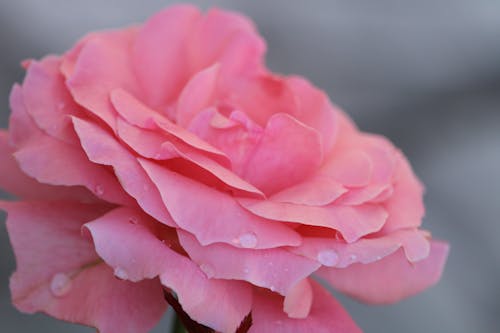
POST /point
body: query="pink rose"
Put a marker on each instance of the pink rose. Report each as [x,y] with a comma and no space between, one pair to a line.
[166,156]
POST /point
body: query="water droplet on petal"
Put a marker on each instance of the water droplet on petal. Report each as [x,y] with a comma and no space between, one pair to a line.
[61,105]
[273,288]
[133,220]
[121,273]
[378,257]
[208,270]
[246,270]
[99,190]
[60,284]
[328,257]
[353,257]
[248,240]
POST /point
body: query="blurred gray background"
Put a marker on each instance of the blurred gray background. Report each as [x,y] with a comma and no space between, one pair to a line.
[425,73]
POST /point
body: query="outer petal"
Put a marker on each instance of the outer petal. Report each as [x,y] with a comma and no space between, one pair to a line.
[73,285]
[48,101]
[390,279]
[337,253]
[16,182]
[103,64]
[326,315]
[159,53]
[351,222]
[125,240]
[102,148]
[210,215]
[274,269]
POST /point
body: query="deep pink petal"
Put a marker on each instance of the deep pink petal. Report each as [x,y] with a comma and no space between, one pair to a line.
[160,53]
[156,146]
[103,64]
[326,315]
[287,153]
[390,279]
[351,222]
[102,148]
[275,269]
[47,99]
[337,253]
[210,214]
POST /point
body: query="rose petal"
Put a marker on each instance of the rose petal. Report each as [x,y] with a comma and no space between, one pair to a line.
[43,162]
[351,222]
[210,215]
[388,280]
[326,315]
[159,53]
[102,148]
[138,114]
[103,65]
[275,269]
[153,145]
[47,99]
[299,299]
[337,253]
[73,285]
[14,181]
[287,153]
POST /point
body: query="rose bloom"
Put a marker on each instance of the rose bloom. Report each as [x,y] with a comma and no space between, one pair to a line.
[167,157]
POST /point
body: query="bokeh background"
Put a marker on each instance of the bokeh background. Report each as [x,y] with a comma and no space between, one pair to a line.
[425,73]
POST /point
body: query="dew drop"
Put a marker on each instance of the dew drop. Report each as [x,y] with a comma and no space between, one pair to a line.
[353,257]
[328,257]
[273,288]
[121,273]
[99,190]
[60,284]
[61,105]
[246,270]
[133,220]
[248,240]
[378,257]
[208,270]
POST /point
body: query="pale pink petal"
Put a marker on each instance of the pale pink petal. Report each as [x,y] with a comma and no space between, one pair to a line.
[258,267]
[16,182]
[198,94]
[74,285]
[218,304]
[103,64]
[319,190]
[156,146]
[287,153]
[326,315]
[405,206]
[22,128]
[54,162]
[160,53]
[214,33]
[351,222]
[352,168]
[210,214]
[102,148]
[47,100]
[138,114]
[390,279]
[325,116]
[299,299]
[337,253]
[125,238]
